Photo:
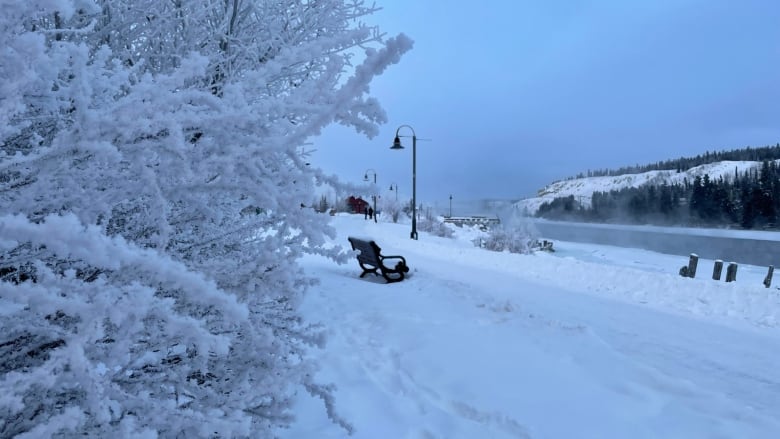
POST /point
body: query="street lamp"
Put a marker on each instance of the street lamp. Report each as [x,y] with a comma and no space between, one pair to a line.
[450,205]
[394,187]
[365,178]
[397,145]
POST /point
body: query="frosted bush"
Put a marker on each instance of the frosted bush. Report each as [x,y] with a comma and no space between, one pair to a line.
[515,235]
[434,226]
[150,223]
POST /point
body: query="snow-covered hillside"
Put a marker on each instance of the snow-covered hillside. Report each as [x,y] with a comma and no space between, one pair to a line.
[583,188]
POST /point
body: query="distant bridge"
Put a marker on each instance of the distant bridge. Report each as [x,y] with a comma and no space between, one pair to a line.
[472,220]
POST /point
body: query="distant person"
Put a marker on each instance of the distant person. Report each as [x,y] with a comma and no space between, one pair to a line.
[365,211]
[370,212]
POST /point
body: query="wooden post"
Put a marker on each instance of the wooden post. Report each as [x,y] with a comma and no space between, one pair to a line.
[717,270]
[692,263]
[768,278]
[731,272]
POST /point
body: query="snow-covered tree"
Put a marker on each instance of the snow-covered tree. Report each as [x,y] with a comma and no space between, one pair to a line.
[390,206]
[150,221]
[434,225]
[515,234]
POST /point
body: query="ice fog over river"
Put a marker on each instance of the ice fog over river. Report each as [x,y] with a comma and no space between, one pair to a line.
[741,246]
[746,247]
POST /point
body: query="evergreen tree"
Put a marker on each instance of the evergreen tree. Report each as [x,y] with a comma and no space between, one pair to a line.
[766,206]
[665,201]
[697,199]
[323,205]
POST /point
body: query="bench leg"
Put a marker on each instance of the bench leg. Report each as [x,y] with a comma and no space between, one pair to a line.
[393,279]
[367,270]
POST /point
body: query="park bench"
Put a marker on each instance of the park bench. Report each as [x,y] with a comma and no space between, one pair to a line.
[371,260]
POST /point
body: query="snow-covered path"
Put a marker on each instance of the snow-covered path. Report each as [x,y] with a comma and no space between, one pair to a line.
[484,344]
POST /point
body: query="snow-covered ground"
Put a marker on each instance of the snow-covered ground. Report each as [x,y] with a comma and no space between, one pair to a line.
[587,342]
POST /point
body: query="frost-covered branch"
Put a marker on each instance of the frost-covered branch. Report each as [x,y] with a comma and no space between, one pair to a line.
[150,184]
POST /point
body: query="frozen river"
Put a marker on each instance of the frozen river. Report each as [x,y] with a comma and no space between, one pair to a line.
[746,247]
[760,248]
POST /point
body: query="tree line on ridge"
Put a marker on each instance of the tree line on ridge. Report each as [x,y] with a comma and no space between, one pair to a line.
[748,199]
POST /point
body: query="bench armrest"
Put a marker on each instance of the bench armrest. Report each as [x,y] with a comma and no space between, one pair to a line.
[383,257]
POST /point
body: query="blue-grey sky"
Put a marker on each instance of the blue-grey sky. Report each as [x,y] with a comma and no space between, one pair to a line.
[515,94]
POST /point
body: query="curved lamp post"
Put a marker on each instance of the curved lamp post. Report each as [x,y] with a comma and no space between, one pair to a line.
[372,171]
[397,145]
[394,187]
[365,178]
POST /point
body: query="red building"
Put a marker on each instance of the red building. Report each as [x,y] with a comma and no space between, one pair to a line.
[357,205]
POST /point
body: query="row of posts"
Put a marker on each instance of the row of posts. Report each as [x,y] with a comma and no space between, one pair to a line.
[731,270]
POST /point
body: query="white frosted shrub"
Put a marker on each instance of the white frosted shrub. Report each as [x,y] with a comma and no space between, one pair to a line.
[150,184]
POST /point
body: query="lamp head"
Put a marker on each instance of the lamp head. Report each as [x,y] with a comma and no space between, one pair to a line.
[397,143]
[365,177]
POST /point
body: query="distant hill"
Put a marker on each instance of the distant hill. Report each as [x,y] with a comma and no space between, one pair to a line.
[747,154]
[583,188]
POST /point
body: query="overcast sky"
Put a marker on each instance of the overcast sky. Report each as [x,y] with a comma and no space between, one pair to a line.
[515,94]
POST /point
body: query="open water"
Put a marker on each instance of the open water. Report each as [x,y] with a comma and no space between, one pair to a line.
[754,248]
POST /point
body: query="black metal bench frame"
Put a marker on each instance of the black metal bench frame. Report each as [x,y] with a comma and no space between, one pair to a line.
[372,261]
